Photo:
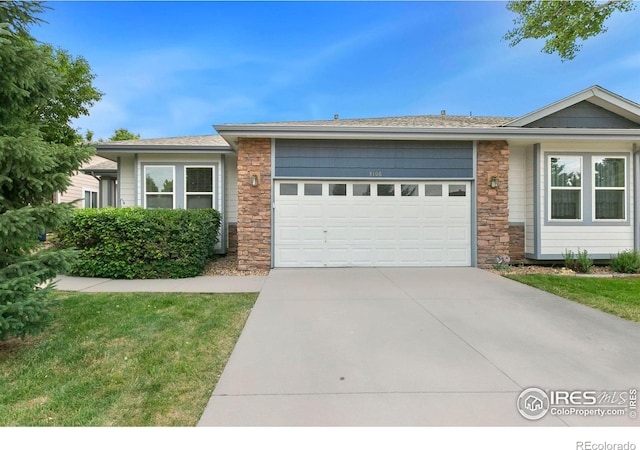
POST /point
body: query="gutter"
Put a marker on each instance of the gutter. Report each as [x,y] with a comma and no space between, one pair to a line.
[232,132]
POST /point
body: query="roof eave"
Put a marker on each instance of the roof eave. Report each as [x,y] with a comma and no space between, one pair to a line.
[138,148]
[232,132]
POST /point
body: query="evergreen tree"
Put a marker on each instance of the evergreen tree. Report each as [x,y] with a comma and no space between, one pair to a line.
[32,170]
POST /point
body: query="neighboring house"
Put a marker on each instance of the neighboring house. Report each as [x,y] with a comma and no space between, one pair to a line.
[405,191]
[85,186]
[105,172]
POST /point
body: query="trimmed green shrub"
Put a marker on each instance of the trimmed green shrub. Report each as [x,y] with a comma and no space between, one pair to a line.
[580,262]
[141,243]
[626,262]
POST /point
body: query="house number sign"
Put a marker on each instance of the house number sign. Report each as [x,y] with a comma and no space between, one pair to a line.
[375,173]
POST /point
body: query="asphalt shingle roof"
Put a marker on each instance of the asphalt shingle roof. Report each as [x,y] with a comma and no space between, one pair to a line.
[433,121]
[205,140]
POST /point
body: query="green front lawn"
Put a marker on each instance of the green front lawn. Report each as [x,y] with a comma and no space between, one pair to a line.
[121,360]
[618,296]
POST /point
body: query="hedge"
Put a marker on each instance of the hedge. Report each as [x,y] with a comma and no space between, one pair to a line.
[141,243]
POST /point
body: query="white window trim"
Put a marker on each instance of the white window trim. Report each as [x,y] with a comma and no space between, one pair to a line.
[84,198]
[550,188]
[144,184]
[594,189]
[213,184]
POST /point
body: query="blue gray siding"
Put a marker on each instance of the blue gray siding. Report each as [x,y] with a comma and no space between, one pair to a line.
[583,115]
[373,159]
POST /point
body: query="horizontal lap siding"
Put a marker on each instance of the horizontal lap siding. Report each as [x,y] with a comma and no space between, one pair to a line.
[365,159]
[599,240]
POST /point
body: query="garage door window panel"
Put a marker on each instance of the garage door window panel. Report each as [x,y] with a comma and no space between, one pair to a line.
[409,190]
[361,190]
[339,189]
[457,190]
[433,190]
[289,189]
[386,190]
[312,189]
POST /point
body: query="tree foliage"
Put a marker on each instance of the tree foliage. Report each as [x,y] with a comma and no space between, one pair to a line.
[34,165]
[563,24]
[122,134]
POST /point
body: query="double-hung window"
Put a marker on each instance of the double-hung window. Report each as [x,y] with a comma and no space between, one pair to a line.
[565,180]
[159,186]
[90,198]
[199,187]
[609,188]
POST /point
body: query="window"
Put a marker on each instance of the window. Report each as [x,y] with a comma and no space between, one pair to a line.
[361,190]
[609,186]
[565,179]
[433,190]
[159,186]
[90,199]
[288,189]
[199,187]
[338,189]
[409,190]
[457,190]
[312,189]
[386,190]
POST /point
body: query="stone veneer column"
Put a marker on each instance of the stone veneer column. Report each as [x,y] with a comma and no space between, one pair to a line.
[493,203]
[254,204]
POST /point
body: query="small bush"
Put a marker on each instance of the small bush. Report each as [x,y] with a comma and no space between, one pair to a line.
[580,262]
[141,243]
[626,262]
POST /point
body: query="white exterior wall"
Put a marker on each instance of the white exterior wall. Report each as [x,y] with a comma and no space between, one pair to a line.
[126,182]
[517,185]
[231,188]
[596,239]
[529,214]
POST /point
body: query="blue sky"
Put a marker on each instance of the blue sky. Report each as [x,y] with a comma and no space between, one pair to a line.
[177,68]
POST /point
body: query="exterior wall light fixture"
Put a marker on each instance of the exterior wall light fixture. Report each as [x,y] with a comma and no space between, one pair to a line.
[493,181]
[254,180]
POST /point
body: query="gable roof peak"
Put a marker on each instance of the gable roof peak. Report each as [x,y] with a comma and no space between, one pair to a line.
[596,95]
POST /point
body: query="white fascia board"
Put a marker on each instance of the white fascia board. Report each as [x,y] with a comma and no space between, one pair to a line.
[596,95]
[233,132]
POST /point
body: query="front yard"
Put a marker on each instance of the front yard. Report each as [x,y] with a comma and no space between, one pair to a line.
[121,360]
[618,296]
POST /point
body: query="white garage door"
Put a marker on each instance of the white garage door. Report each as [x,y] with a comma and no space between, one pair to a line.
[359,223]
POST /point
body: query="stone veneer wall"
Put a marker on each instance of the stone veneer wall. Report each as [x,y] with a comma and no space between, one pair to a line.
[516,243]
[254,204]
[232,243]
[493,203]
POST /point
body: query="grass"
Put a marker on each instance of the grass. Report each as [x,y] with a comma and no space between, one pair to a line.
[127,359]
[618,296]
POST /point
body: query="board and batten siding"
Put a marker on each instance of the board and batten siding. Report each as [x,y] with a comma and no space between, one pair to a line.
[517,185]
[353,159]
[231,188]
[529,228]
[126,181]
[600,240]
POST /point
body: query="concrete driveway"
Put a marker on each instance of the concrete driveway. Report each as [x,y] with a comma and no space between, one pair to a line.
[416,347]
